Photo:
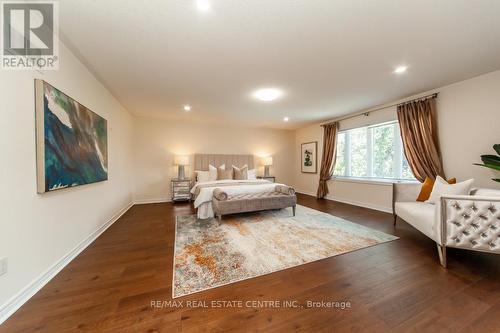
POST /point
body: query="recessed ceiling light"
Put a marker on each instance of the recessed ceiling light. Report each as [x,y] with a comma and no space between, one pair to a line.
[268,94]
[400,69]
[203,5]
[286,119]
[187,108]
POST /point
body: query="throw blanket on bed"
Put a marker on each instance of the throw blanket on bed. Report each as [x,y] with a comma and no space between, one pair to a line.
[226,182]
[204,192]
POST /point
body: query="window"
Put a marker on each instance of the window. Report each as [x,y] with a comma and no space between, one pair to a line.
[372,152]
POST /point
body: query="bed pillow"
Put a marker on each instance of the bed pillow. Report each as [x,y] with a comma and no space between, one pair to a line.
[213,171]
[224,174]
[252,174]
[240,173]
[203,176]
[441,187]
[427,185]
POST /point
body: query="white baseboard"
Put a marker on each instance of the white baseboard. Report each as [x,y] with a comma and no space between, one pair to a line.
[351,202]
[313,194]
[362,204]
[13,304]
[150,201]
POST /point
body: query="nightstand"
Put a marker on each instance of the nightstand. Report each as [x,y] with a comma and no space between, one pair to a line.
[270,178]
[180,189]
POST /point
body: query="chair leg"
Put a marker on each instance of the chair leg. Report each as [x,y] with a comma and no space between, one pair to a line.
[293,210]
[395,219]
[442,254]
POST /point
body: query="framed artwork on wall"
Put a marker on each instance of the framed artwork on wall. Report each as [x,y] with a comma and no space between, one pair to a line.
[309,158]
[71,141]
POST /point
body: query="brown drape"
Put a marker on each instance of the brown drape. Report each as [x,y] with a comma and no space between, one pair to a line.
[417,122]
[328,157]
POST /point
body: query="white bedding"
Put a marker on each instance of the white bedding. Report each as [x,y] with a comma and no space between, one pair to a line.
[203,201]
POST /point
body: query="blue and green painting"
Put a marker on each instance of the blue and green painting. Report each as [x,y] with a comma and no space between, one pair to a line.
[76,142]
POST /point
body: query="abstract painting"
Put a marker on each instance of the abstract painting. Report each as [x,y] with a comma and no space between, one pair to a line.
[71,141]
[309,158]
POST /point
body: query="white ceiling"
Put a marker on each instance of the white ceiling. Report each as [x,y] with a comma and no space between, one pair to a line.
[330,57]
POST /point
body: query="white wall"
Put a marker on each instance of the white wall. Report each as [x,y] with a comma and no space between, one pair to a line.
[468,119]
[158,140]
[36,231]
[469,125]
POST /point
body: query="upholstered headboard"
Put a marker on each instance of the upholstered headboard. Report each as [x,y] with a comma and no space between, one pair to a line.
[201,161]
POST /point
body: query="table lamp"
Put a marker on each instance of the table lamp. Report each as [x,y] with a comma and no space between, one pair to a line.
[267,161]
[181,161]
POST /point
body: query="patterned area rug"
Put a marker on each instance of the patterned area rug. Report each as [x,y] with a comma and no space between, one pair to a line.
[249,245]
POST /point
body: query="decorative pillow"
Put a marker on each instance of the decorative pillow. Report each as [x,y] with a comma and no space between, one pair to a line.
[203,176]
[252,174]
[285,189]
[219,194]
[441,187]
[240,174]
[222,173]
[427,185]
[213,171]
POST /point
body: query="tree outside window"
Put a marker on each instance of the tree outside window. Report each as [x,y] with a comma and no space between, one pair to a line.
[374,151]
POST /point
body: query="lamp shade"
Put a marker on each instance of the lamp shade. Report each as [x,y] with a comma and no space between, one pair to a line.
[181,160]
[268,160]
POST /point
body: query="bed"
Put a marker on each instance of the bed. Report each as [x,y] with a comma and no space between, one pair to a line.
[203,191]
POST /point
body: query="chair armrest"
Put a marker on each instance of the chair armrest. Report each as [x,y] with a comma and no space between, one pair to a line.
[471,197]
[405,192]
[470,222]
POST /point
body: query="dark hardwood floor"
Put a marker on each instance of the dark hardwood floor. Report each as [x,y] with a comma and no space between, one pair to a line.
[395,286]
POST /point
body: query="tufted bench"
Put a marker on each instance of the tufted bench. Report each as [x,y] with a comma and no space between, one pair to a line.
[281,197]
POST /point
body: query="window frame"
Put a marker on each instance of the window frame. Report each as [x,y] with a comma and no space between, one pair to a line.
[398,156]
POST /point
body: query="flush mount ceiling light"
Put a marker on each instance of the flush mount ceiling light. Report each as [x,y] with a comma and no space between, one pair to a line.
[400,69]
[187,108]
[203,5]
[286,119]
[268,94]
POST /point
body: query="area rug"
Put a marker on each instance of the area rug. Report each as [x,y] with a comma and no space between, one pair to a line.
[207,255]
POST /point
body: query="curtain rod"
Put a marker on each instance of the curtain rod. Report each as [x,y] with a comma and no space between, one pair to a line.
[434,95]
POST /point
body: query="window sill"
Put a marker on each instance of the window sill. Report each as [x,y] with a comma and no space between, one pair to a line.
[374,181]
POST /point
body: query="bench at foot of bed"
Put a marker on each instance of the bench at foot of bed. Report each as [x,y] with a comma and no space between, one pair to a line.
[281,197]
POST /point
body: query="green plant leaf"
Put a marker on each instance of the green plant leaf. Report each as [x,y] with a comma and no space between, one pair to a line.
[497,148]
[492,166]
[490,159]
[489,166]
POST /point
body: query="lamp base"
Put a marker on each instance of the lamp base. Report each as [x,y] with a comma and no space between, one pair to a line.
[181,174]
[266,171]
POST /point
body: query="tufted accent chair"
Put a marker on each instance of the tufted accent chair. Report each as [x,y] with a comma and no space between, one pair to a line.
[470,222]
